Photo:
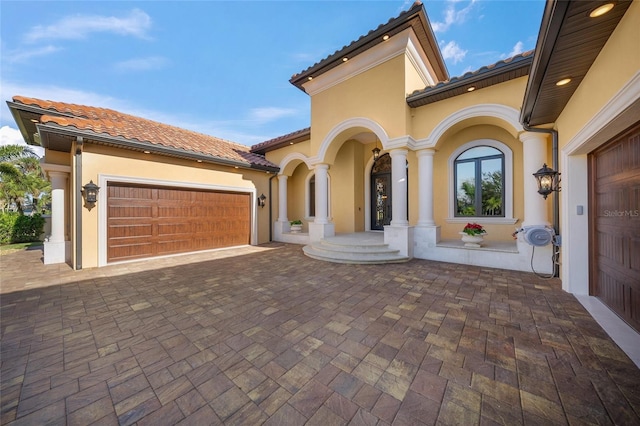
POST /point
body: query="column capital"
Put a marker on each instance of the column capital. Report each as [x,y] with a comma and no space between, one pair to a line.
[427,152]
[398,151]
[283,177]
[533,136]
[324,166]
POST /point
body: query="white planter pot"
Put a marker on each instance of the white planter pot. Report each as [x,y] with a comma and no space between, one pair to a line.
[472,240]
[295,229]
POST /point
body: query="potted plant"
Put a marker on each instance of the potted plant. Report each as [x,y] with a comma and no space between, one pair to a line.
[296,226]
[473,235]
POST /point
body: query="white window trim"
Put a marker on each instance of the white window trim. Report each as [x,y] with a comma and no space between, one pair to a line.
[102,206]
[307,197]
[508,184]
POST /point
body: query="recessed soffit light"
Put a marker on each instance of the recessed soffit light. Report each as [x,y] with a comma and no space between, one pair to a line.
[147,152]
[385,37]
[563,82]
[310,78]
[471,88]
[601,10]
[345,59]
[33,120]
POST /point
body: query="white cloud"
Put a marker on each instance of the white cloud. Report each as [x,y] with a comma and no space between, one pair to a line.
[268,114]
[452,16]
[454,52]
[135,24]
[11,136]
[517,49]
[142,64]
[23,55]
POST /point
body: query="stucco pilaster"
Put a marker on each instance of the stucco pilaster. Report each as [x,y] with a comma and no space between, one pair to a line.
[534,149]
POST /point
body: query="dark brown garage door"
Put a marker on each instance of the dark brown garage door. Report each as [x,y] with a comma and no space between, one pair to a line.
[145,221]
[615,225]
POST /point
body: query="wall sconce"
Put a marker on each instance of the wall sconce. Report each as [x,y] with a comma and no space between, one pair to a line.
[90,194]
[376,151]
[261,200]
[548,181]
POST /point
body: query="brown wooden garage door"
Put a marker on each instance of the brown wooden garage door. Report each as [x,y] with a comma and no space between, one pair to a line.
[145,221]
[615,225]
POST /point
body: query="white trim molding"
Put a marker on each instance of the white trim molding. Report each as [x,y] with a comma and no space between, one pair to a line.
[290,158]
[104,180]
[505,113]
[350,123]
[403,43]
[508,183]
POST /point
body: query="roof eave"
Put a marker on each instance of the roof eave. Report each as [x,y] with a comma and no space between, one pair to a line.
[373,38]
[550,26]
[286,140]
[147,146]
[420,99]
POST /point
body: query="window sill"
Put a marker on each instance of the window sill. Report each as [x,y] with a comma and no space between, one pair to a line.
[483,220]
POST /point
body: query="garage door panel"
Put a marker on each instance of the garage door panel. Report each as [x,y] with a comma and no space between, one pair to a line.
[615,222]
[130,230]
[144,221]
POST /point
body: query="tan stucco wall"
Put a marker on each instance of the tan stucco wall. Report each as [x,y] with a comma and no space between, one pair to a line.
[616,64]
[427,117]
[98,160]
[377,94]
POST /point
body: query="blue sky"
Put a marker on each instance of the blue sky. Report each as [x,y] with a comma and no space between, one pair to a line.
[221,68]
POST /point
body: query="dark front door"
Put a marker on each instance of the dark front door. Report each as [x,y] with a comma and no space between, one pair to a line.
[381,193]
[615,225]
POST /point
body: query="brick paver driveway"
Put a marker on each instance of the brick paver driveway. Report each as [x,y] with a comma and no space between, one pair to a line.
[270,336]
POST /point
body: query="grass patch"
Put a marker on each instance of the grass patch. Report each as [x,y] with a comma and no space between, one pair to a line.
[19,246]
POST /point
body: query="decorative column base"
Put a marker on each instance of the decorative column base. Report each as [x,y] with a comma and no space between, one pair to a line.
[318,231]
[426,237]
[279,228]
[55,252]
[400,238]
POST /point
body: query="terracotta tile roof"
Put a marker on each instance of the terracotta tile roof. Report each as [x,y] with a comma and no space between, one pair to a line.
[501,71]
[280,141]
[109,123]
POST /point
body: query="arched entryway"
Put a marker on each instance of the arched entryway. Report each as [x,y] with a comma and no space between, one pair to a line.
[381,193]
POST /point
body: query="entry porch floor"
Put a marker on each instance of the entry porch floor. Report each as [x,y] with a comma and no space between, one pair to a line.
[266,335]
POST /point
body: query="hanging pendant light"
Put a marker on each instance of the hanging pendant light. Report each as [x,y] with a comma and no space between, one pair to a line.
[376,151]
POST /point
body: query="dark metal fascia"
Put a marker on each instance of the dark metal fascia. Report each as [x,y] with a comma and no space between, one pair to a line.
[144,146]
[412,100]
[552,19]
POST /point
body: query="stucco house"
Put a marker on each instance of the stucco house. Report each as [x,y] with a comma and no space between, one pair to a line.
[396,149]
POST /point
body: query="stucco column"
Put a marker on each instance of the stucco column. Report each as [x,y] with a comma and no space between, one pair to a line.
[534,150]
[399,187]
[55,248]
[322,201]
[425,187]
[282,198]
[58,186]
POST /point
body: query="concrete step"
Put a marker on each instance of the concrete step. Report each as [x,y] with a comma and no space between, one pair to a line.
[353,250]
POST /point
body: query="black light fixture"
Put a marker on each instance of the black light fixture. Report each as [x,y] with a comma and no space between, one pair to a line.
[376,151]
[90,194]
[261,200]
[548,181]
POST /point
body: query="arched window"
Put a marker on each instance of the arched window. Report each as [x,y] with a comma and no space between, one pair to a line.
[479,182]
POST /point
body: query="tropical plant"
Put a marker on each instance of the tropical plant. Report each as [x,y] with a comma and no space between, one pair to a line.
[21,179]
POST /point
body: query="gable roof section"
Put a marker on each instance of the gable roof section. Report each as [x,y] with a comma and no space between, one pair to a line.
[281,141]
[51,120]
[499,72]
[415,18]
[568,43]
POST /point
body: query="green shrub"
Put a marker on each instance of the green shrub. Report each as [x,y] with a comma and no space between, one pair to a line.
[18,228]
